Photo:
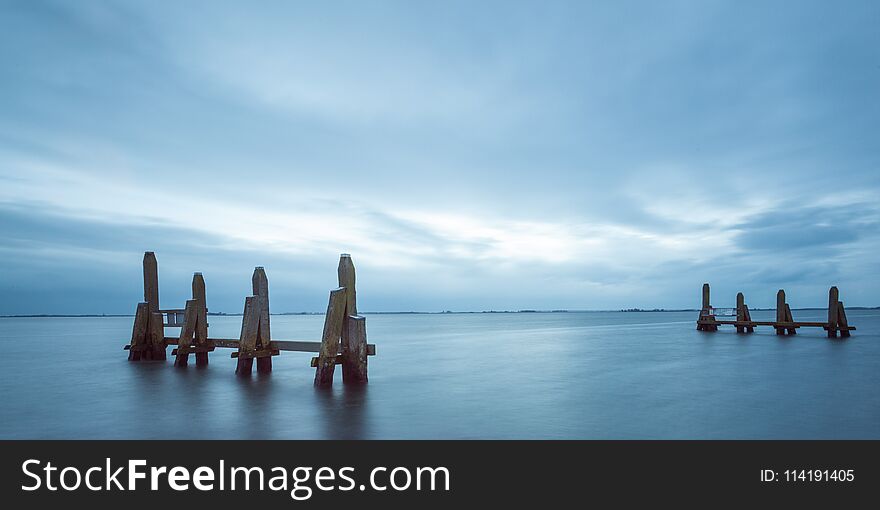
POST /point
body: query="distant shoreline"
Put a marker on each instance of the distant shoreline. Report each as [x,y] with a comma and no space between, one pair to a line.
[447,312]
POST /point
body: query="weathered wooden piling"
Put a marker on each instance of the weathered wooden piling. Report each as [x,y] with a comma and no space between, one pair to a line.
[743,316]
[784,320]
[201,329]
[254,342]
[261,288]
[842,323]
[193,337]
[250,324]
[354,336]
[187,331]
[139,332]
[706,322]
[836,315]
[354,359]
[330,338]
[740,311]
[148,323]
[792,325]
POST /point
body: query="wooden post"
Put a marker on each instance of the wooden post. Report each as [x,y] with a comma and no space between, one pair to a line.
[790,318]
[748,318]
[157,337]
[185,341]
[330,338]
[841,320]
[705,315]
[139,332]
[250,323]
[833,312]
[740,311]
[260,285]
[155,328]
[354,360]
[201,328]
[780,311]
[351,371]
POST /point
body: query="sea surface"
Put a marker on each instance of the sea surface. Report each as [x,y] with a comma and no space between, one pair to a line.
[576,375]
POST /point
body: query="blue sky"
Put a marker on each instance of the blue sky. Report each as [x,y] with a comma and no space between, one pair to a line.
[469,155]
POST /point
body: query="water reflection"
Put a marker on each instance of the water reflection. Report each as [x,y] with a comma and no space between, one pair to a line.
[343,411]
[566,375]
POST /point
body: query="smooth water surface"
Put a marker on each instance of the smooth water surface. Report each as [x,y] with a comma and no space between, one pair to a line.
[528,375]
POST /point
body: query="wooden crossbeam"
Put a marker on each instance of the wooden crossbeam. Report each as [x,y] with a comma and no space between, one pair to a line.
[281,345]
[260,354]
[774,324]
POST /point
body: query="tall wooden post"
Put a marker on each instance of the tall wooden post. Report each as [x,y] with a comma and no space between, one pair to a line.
[352,371]
[187,331]
[792,329]
[780,311]
[354,359]
[841,320]
[330,338]
[740,311]
[705,322]
[260,285]
[201,329]
[139,339]
[833,312]
[250,324]
[155,326]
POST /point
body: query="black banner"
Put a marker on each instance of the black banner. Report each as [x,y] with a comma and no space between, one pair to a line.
[400,474]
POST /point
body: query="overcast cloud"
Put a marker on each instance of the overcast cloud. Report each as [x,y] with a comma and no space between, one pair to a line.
[469,155]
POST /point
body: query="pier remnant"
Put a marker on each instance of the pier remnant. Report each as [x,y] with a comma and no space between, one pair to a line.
[344,340]
[194,331]
[354,333]
[706,322]
[255,340]
[837,316]
[743,316]
[148,325]
[784,323]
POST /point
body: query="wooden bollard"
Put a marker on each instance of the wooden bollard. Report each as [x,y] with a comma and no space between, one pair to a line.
[260,285]
[185,341]
[841,320]
[201,329]
[792,330]
[155,327]
[743,314]
[139,340]
[833,312]
[740,311]
[352,372]
[780,311]
[250,323]
[354,359]
[333,321]
[704,312]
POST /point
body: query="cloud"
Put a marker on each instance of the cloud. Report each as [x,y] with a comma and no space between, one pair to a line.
[469,156]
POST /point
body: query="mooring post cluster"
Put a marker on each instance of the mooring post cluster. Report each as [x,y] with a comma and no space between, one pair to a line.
[784,323]
[344,338]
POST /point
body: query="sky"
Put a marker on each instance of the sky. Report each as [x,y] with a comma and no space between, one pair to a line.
[468,155]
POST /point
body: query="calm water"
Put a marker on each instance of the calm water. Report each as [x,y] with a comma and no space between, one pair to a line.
[563,375]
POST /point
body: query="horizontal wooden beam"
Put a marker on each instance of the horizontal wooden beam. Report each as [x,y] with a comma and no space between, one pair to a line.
[281,345]
[315,360]
[264,353]
[787,325]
